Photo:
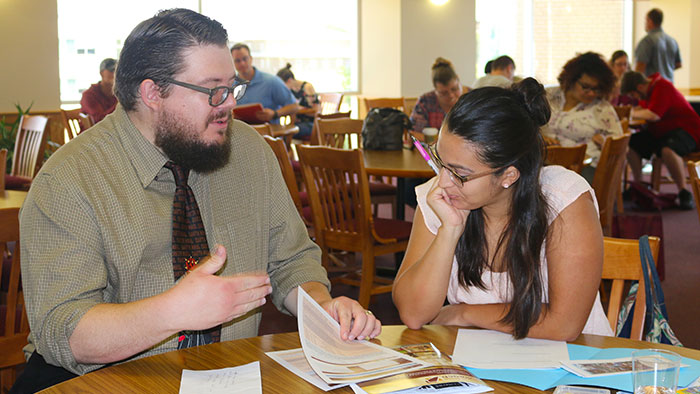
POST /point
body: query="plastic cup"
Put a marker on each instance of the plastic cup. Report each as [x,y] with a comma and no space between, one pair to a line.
[430,134]
[655,371]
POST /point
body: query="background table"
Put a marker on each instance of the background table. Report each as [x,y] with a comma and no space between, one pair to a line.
[12,199]
[402,164]
[162,373]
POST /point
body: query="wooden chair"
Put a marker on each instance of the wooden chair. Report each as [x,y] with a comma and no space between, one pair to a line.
[330,102]
[339,195]
[75,122]
[301,201]
[621,262]
[29,152]
[410,103]
[657,167]
[608,177]
[15,326]
[398,103]
[346,133]
[315,140]
[623,112]
[694,171]
[262,129]
[568,157]
[3,166]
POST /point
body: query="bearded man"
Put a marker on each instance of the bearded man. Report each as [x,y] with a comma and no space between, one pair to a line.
[117,229]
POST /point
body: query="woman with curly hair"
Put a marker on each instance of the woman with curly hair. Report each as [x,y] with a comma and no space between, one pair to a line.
[581,113]
[513,246]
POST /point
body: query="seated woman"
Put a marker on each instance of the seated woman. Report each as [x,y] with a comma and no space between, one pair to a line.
[619,62]
[494,230]
[306,98]
[581,113]
[431,107]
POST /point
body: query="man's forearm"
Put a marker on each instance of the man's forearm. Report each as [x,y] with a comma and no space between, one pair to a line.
[114,332]
[645,114]
[288,110]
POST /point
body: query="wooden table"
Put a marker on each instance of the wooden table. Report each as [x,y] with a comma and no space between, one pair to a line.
[162,373]
[402,164]
[12,199]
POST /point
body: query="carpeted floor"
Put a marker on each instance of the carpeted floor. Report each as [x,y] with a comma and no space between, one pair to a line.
[681,284]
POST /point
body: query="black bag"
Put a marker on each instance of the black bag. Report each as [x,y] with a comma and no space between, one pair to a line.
[383,129]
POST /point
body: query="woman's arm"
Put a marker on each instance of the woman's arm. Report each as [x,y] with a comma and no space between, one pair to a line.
[574,277]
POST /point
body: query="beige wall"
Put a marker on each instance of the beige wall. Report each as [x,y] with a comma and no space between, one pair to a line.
[429,31]
[29,62]
[679,16]
[380,48]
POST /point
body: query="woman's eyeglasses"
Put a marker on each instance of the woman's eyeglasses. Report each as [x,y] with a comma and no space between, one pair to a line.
[219,94]
[457,179]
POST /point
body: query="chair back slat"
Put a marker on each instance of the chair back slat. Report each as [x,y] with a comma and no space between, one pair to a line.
[694,174]
[621,262]
[3,168]
[263,129]
[280,150]
[343,133]
[29,146]
[394,102]
[568,157]
[608,177]
[75,122]
[315,139]
[330,102]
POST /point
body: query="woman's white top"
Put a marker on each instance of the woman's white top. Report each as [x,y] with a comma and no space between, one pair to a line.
[561,187]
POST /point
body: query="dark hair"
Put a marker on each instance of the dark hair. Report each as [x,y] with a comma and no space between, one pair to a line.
[656,16]
[488,67]
[616,55]
[504,125]
[108,64]
[630,81]
[154,50]
[502,62]
[443,72]
[240,45]
[591,64]
[285,73]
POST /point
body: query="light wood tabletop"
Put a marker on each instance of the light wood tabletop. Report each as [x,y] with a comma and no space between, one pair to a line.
[162,373]
[401,163]
[12,199]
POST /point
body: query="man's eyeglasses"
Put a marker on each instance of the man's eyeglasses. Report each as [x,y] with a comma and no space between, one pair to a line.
[588,88]
[457,179]
[219,94]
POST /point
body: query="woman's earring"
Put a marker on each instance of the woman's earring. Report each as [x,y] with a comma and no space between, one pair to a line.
[506,186]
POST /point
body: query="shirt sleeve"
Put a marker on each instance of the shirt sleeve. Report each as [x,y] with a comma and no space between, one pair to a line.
[419,116]
[643,51]
[659,101]
[63,269]
[293,259]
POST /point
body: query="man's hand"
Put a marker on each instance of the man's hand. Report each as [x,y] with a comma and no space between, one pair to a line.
[265,115]
[206,300]
[355,321]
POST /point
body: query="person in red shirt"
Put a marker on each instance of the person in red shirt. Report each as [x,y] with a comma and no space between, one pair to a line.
[99,101]
[673,128]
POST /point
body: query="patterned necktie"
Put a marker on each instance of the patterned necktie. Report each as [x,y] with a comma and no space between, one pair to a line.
[189,245]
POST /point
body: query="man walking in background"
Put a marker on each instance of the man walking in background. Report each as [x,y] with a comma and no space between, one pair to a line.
[657,52]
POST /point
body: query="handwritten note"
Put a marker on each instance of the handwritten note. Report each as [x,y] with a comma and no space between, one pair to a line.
[243,379]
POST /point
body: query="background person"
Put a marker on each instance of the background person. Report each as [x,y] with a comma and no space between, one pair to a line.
[264,88]
[619,63]
[479,232]
[306,98]
[102,240]
[673,128]
[657,52]
[99,101]
[581,113]
[431,107]
[501,75]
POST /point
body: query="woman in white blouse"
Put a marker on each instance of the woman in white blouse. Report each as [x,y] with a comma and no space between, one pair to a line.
[581,113]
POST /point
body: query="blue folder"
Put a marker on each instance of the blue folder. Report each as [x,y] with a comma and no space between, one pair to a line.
[543,379]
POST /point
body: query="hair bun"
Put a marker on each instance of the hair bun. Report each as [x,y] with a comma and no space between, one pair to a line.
[534,99]
[288,66]
[441,62]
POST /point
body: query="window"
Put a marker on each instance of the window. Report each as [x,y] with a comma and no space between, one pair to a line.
[542,35]
[318,37]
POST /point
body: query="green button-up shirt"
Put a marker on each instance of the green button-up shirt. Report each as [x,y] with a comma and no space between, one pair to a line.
[96,228]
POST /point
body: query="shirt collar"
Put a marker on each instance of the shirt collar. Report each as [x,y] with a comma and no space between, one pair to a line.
[146,159]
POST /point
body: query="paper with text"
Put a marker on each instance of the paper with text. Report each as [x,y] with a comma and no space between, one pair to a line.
[496,350]
[337,361]
[244,379]
[295,361]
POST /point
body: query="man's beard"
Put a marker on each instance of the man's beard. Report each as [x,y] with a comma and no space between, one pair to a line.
[180,141]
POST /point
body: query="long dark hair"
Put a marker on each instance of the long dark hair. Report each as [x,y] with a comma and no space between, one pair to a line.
[504,126]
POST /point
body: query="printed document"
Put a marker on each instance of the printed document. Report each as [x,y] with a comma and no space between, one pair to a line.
[340,362]
[496,350]
[244,379]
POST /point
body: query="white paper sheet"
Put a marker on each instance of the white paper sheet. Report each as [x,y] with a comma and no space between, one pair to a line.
[496,350]
[341,362]
[295,361]
[244,379]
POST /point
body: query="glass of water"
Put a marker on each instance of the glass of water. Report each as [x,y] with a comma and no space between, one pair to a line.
[655,371]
